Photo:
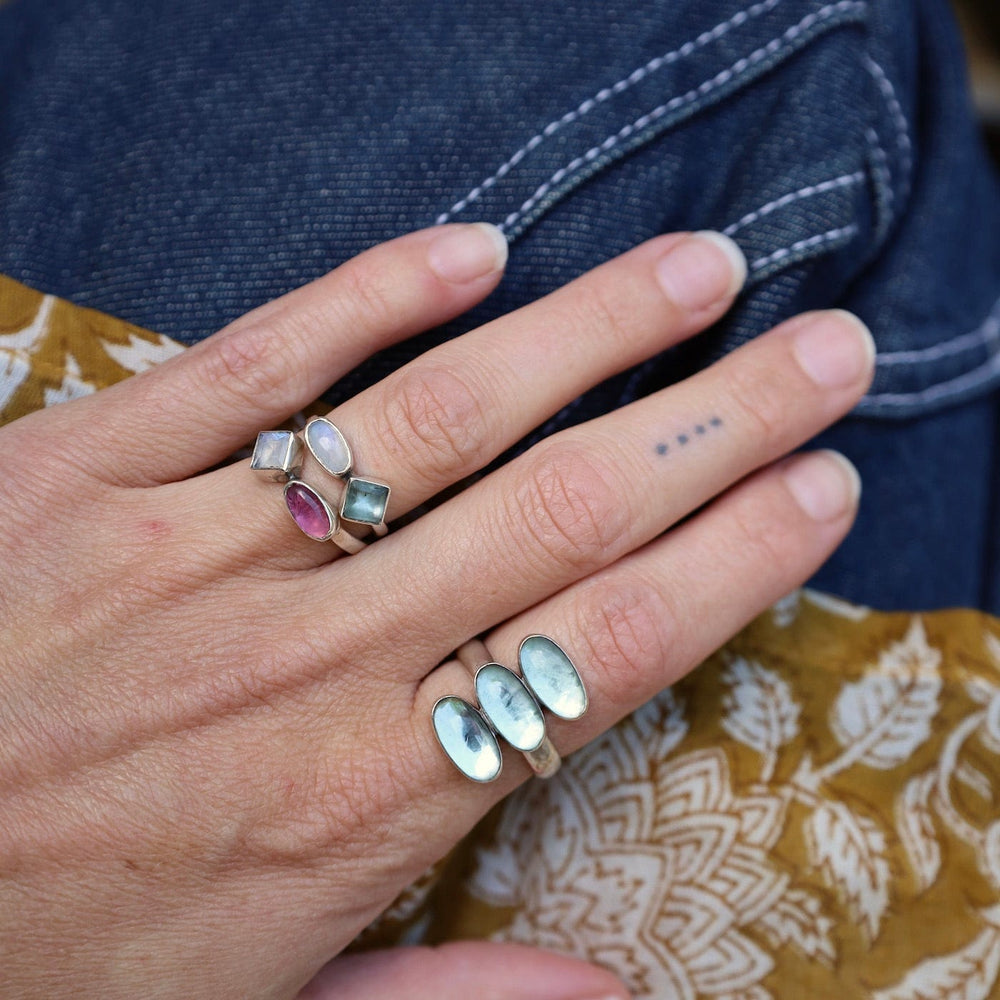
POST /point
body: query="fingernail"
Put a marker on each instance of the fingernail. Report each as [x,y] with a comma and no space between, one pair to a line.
[466,252]
[824,483]
[835,349]
[701,270]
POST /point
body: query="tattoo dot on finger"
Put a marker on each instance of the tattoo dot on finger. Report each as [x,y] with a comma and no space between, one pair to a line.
[699,430]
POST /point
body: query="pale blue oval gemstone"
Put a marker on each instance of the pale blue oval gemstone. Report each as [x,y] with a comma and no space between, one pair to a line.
[328,446]
[551,676]
[509,706]
[466,739]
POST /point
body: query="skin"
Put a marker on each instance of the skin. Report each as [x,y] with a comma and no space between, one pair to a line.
[217,763]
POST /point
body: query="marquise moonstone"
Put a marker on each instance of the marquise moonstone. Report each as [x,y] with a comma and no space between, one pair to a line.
[551,676]
[308,511]
[509,706]
[466,739]
[329,446]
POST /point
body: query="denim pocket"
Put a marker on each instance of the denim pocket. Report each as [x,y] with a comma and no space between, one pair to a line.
[829,139]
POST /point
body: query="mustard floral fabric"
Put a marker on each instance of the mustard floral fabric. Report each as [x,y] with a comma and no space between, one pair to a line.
[813,813]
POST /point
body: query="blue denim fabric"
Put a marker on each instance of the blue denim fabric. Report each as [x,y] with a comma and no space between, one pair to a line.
[178,164]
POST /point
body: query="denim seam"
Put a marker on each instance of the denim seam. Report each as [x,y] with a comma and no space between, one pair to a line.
[883,175]
[810,243]
[809,191]
[939,393]
[706,87]
[903,141]
[988,330]
[605,94]
[820,239]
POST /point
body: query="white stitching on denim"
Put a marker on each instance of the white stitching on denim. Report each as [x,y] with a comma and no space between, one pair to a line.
[707,86]
[902,127]
[988,330]
[740,17]
[813,241]
[881,167]
[843,181]
[941,390]
[844,232]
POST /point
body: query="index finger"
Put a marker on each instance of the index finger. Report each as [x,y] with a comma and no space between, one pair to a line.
[193,411]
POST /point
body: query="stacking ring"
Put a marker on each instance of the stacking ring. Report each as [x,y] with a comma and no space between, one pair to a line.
[278,455]
[508,705]
[364,500]
[510,708]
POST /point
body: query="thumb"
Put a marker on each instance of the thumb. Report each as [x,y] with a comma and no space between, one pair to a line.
[463,969]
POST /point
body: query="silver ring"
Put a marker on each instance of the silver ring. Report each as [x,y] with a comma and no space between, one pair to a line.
[510,708]
[314,517]
[364,501]
[278,455]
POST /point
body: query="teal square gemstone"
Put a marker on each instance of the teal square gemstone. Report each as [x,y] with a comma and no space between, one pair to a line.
[365,501]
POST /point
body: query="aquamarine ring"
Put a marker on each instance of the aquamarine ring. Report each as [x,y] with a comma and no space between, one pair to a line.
[509,706]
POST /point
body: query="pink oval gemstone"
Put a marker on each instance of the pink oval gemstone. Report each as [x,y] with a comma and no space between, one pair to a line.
[308,511]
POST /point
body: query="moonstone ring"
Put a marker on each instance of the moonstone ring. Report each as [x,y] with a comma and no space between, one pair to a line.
[364,500]
[278,455]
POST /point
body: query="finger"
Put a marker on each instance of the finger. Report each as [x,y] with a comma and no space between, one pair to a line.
[458,971]
[453,410]
[586,497]
[193,411]
[640,625]
[450,412]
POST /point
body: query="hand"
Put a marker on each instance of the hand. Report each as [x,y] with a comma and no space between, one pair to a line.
[217,763]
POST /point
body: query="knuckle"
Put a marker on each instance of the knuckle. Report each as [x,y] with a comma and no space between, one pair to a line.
[571,509]
[758,393]
[599,307]
[256,364]
[368,295]
[763,535]
[437,423]
[629,630]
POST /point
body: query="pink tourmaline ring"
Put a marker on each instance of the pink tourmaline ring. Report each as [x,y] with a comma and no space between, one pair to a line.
[316,518]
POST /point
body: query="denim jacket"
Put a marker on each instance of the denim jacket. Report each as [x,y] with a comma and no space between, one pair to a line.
[178,164]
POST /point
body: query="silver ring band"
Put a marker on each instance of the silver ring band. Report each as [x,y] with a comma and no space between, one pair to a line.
[510,708]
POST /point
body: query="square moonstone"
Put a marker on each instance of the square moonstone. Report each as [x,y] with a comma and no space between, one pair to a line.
[364,501]
[276,452]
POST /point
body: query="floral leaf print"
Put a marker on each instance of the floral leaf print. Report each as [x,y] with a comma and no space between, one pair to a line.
[991,853]
[991,729]
[882,718]
[993,648]
[785,611]
[974,779]
[797,919]
[849,850]
[836,605]
[968,974]
[659,725]
[916,828]
[139,353]
[760,710]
